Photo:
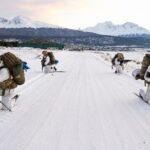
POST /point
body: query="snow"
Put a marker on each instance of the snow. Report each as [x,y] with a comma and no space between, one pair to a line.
[23,22]
[84,107]
[108,28]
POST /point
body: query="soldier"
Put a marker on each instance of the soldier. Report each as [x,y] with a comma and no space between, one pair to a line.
[117,61]
[144,74]
[11,75]
[48,62]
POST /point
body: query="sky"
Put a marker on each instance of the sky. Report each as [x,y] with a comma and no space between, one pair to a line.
[79,14]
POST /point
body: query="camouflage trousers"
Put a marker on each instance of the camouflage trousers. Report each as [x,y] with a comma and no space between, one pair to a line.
[7,98]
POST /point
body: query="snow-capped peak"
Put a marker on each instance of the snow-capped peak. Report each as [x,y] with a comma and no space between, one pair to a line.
[108,28]
[107,23]
[3,20]
[23,22]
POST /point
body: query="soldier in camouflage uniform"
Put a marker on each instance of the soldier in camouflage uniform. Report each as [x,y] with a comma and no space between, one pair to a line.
[48,62]
[144,74]
[117,61]
[5,93]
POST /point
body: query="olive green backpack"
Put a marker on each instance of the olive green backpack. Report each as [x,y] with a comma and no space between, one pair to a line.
[15,67]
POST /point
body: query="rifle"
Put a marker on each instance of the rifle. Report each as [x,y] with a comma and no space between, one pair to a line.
[122,62]
[126,61]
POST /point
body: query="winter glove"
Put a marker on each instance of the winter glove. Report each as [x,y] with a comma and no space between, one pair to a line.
[25,66]
[136,74]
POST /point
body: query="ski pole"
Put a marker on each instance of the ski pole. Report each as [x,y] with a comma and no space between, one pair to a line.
[5,105]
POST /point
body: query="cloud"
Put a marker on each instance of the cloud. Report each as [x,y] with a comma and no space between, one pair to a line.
[78,13]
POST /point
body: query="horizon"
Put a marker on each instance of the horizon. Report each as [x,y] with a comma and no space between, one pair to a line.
[78,28]
[79,15]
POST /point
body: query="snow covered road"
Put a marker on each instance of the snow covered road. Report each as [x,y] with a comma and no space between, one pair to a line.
[84,107]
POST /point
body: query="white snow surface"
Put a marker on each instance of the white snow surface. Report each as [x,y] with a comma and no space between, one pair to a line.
[84,107]
[23,22]
[108,28]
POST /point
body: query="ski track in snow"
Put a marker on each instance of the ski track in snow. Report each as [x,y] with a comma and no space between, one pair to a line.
[87,107]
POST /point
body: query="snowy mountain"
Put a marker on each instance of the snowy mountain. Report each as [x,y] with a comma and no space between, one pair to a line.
[108,28]
[23,22]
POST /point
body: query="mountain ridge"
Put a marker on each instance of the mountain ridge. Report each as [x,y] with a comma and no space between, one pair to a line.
[23,22]
[108,28]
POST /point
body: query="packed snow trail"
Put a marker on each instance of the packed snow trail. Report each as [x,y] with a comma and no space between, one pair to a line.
[87,107]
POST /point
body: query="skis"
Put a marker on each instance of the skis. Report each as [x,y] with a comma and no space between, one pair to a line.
[5,106]
[138,95]
[15,98]
[58,71]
